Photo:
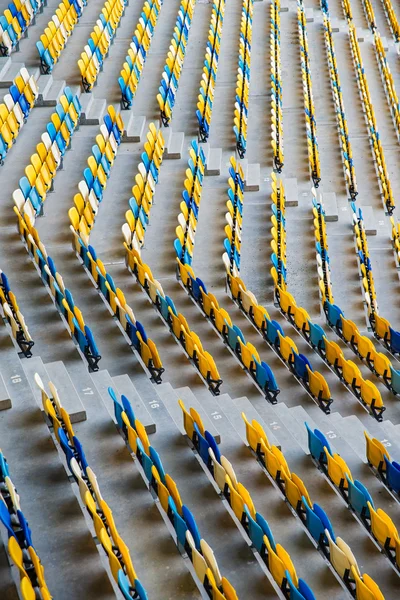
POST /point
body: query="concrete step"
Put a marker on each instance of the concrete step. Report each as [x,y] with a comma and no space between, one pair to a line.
[5,398]
[253,177]
[291,191]
[369,220]
[44,83]
[54,93]
[5,62]
[190,400]
[123,384]
[329,202]
[175,143]
[352,430]
[10,73]
[214,161]
[102,380]
[70,399]
[297,430]
[134,128]
[96,112]
[86,101]
[31,367]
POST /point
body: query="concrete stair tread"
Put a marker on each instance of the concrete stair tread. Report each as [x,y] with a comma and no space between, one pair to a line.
[95,111]
[208,422]
[5,62]
[243,404]
[134,129]
[70,399]
[297,430]
[124,385]
[30,367]
[10,73]
[253,177]
[53,94]
[5,398]
[175,143]
[214,160]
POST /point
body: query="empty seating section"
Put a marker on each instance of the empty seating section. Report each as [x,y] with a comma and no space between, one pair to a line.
[364,261]
[312,515]
[392,19]
[243,78]
[18,539]
[133,233]
[14,317]
[62,297]
[39,174]
[210,70]
[232,242]
[137,53]
[375,141]
[82,217]
[188,537]
[278,233]
[174,61]
[309,110]
[276,86]
[15,21]
[384,467]
[98,46]
[347,152]
[388,83]
[105,530]
[55,36]
[15,110]
[276,558]
[187,218]
[138,215]
[356,495]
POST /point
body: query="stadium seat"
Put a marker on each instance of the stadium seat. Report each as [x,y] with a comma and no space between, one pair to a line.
[243,78]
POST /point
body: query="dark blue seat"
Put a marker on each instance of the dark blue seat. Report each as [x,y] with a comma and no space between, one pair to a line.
[81,458]
[157,463]
[393,475]
[324,519]
[192,526]
[300,363]
[127,406]
[394,341]
[67,448]
[294,593]
[202,446]
[5,518]
[213,445]
[272,332]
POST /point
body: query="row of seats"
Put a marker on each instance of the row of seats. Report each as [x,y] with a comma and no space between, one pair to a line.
[380,162]
[15,109]
[312,515]
[276,86]
[384,467]
[44,163]
[369,14]
[347,153]
[299,364]
[82,217]
[364,261]
[22,553]
[106,532]
[15,318]
[356,495]
[137,220]
[98,46]
[15,21]
[55,36]
[138,215]
[232,242]
[205,98]
[62,297]
[187,533]
[388,83]
[392,19]
[243,78]
[137,53]
[273,554]
[187,218]
[174,61]
[322,250]
[246,353]
[309,110]
[396,239]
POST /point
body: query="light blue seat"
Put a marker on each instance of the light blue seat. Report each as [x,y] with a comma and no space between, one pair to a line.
[127,591]
[333,315]
[395,380]
[314,524]
[266,530]
[316,443]
[358,497]
[317,336]
[118,410]
[255,532]
[392,475]
[272,332]
[157,463]
[324,519]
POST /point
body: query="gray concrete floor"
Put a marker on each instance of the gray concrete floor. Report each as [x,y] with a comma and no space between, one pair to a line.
[59,531]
